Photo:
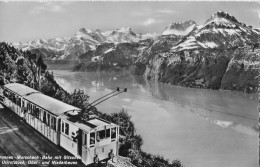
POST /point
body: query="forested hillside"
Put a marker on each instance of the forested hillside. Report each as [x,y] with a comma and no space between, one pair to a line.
[28,69]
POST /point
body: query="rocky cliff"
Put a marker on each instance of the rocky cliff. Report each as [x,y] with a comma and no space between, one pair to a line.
[220,54]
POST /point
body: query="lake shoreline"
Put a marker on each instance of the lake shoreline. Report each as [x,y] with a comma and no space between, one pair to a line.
[214,120]
[253,95]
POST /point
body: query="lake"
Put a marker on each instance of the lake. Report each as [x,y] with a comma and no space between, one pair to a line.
[202,128]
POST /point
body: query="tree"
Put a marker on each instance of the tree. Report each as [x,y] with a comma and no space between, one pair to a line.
[41,64]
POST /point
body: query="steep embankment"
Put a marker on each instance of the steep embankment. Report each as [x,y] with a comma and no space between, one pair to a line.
[232,69]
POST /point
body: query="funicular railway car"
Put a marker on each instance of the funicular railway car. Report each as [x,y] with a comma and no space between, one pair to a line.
[91,140]
[43,113]
[13,97]
[97,138]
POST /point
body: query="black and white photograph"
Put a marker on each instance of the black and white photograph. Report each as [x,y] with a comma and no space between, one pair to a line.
[129,83]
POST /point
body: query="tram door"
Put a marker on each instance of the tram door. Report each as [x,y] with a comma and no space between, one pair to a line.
[80,143]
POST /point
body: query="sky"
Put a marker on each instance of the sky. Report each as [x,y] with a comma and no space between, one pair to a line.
[28,20]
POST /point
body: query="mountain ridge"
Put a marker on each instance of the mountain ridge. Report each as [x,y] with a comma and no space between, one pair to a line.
[184,54]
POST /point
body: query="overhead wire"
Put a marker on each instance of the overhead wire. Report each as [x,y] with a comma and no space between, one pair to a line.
[182,102]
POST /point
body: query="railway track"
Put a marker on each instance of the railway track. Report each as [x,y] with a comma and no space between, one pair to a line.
[21,138]
[24,135]
[6,152]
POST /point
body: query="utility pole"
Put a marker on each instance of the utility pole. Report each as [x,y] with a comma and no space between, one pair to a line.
[40,78]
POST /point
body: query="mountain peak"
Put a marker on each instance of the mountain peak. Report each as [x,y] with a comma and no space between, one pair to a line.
[224,14]
[182,23]
[83,30]
[181,28]
[128,29]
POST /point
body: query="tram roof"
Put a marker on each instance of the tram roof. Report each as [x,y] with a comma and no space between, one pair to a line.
[89,125]
[50,104]
[20,89]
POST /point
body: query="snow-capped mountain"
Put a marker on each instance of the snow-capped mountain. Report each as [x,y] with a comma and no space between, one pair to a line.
[220,31]
[121,35]
[179,29]
[185,54]
[148,36]
[84,40]
[58,48]
[220,54]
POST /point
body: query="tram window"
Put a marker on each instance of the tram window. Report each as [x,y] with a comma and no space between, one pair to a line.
[48,119]
[18,101]
[44,117]
[92,138]
[113,133]
[41,114]
[53,123]
[107,133]
[66,128]
[33,110]
[62,126]
[13,98]
[28,107]
[37,112]
[85,139]
[101,135]
[5,92]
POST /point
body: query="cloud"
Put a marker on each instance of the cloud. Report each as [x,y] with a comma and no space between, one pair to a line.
[149,22]
[144,12]
[147,12]
[258,11]
[48,7]
[165,11]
